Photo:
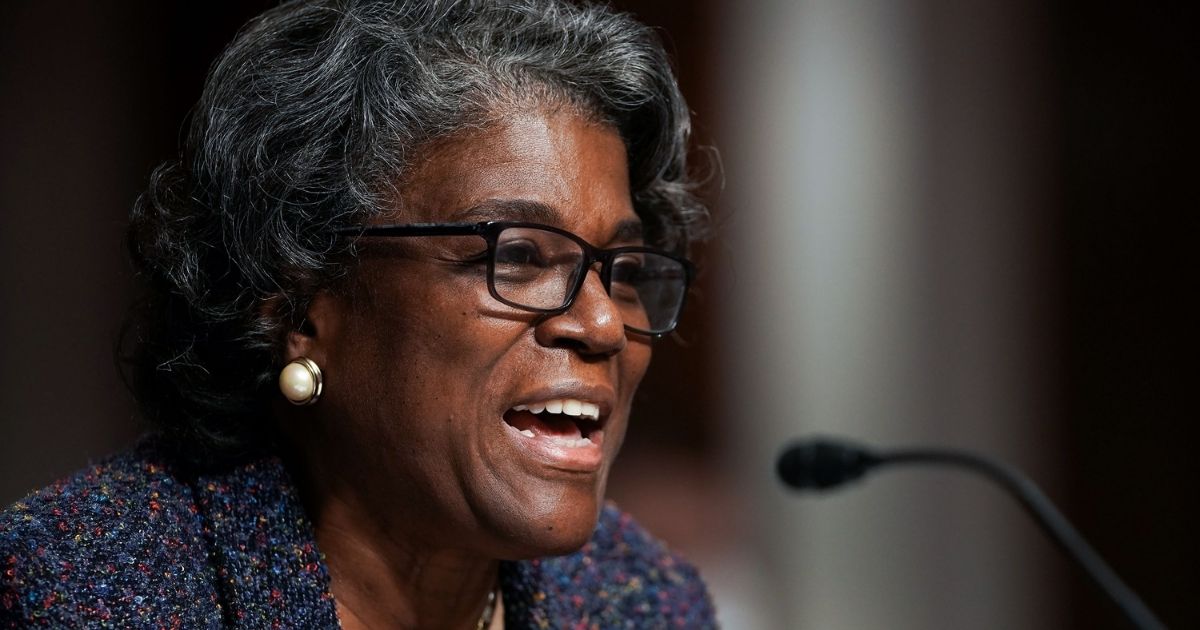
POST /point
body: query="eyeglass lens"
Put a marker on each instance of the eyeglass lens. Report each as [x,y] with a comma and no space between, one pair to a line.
[538,269]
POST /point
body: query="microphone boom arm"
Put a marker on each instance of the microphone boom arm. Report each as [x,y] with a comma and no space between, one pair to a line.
[826,463]
[1052,521]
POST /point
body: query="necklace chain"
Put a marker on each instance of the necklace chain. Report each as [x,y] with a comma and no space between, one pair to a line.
[488,609]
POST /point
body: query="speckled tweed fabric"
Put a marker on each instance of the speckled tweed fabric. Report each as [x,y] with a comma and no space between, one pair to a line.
[132,542]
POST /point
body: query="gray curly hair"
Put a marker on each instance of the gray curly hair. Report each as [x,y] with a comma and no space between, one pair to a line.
[307,122]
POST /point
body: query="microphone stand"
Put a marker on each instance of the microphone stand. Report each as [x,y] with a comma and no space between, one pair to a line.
[825,463]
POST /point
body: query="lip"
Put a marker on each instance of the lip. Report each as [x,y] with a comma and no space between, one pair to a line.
[577,459]
[552,454]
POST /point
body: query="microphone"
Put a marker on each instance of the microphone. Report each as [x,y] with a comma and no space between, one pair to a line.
[825,463]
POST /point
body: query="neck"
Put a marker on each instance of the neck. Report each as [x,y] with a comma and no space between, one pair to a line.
[381,580]
[387,570]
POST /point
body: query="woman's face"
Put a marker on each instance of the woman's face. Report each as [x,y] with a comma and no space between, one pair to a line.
[423,368]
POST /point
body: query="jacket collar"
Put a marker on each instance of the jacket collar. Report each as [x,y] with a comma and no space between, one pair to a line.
[269,571]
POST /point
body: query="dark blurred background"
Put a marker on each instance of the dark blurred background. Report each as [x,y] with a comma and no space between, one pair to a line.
[1091,108]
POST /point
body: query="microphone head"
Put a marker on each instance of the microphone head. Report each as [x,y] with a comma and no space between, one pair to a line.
[822,463]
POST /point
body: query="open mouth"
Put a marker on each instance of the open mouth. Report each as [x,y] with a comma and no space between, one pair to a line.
[565,422]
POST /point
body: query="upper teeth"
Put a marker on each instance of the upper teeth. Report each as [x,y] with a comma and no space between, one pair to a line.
[568,406]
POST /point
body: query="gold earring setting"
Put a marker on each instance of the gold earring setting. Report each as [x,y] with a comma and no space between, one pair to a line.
[300,381]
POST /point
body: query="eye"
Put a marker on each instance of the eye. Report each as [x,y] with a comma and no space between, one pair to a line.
[627,269]
[626,277]
[519,252]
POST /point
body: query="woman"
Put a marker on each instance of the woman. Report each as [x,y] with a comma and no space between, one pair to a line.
[401,287]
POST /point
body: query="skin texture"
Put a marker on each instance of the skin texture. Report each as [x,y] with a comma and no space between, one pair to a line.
[416,485]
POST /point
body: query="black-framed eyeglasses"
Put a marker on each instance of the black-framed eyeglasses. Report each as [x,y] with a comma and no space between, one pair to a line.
[540,268]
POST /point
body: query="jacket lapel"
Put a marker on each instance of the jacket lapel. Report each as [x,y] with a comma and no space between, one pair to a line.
[269,572]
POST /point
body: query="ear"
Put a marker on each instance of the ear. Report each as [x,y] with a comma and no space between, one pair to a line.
[318,332]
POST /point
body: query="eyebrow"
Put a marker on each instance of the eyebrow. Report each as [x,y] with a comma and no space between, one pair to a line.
[509,210]
[538,212]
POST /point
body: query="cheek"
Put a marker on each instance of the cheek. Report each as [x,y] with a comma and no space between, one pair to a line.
[430,348]
[410,370]
[634,361]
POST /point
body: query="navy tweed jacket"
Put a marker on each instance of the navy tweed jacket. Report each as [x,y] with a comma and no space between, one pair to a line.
[132,542]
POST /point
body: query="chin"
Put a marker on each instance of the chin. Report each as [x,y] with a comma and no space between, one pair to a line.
[550,525]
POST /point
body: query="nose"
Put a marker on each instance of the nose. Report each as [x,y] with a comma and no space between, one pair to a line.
[592,326]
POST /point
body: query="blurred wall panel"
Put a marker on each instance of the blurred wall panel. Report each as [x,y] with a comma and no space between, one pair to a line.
[1130,94]
[69,168]
[92,97]
[884,166]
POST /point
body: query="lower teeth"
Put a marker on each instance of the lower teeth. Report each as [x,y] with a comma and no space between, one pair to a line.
[567,442]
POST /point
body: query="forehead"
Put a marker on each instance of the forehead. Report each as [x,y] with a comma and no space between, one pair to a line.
[572,168]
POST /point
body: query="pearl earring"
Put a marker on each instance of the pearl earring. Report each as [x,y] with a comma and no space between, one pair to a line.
[300,381]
